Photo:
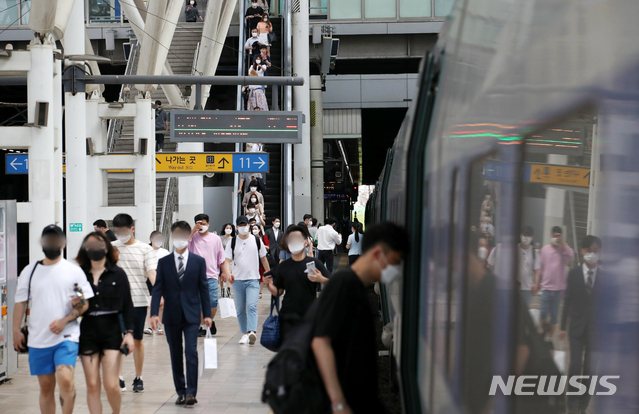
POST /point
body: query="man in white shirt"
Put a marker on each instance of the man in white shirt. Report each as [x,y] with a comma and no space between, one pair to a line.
[327,239]
[54,332]
[139,261]
[313,228]
[246,252]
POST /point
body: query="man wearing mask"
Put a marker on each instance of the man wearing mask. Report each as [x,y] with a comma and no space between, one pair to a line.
[246,252]
[253,195]
[100,225]
[161,125]
[253,15]
[344,333]
[252,45]
[578,307]
[327,239]
[209,246]
[551,279]
[274,235]
[182,282]
[54,332]
[139,261]
[528,263]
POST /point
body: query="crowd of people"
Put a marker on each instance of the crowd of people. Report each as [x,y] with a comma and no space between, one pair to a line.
[258,51]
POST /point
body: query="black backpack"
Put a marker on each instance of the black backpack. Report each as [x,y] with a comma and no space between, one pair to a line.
[293,384]
[257,240]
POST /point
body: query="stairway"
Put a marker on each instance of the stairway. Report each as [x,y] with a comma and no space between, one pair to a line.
[277,63]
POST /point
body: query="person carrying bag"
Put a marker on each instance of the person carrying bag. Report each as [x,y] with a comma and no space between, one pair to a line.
[271,338]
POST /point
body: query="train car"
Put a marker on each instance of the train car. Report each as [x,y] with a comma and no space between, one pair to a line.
[524,124]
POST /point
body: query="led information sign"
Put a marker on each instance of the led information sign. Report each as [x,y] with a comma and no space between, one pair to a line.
[272,127]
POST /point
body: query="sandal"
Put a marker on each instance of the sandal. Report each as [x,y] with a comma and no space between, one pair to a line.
[160,331]
[148,331]
[260,296]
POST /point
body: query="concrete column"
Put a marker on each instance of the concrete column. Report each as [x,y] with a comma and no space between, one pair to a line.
[150,48]
[75,140]
[144,127]
[96,182]
[317,150]
[301,101]
[190,189]
[57,144]
[42,183]
[555,203]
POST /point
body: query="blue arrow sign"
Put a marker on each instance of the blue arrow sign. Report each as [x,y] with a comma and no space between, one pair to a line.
[248,162]
[17,164]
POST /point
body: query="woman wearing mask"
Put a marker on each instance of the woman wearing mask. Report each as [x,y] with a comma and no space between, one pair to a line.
[354,243]
[191,12]
[101,339]
[263,29]
[309,239]
[253,212]
[227,233]
[257,232]
[257,97]
[157,241]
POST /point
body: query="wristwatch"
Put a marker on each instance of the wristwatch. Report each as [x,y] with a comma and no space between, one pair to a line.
[339,407]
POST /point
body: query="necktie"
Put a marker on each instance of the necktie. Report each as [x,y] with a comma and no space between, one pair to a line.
[180,268]
[589,282]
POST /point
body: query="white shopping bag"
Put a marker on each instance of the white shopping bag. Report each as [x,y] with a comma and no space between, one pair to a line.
[210,351]
[227,306]
[560,358]
[535,314]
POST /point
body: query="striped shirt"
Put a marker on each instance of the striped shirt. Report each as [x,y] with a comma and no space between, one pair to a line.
[137,260]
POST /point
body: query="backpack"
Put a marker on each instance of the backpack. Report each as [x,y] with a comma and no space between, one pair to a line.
[257,240]
[293,384]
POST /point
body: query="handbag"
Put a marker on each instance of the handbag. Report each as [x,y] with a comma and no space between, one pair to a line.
[227,305]
[272,38]
[271,338]
[25,329]
[210,351]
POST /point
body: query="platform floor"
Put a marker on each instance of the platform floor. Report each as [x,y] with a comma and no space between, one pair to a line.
[234,388]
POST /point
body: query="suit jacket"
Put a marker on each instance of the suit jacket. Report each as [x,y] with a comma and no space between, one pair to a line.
[188,298]
[274,243]
[578,303]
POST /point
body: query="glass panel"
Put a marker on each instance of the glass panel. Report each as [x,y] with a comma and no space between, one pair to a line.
[11,12]
[346,9]
[104,11]
[26,8]
[443,7]
[376,9]
[318,7]
[414,8]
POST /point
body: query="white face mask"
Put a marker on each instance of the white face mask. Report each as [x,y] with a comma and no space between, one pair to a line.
[253,200]
[192,3]
[252,210]
[124,239]
[253,189]
[258,61]
[158,241]
[591,258]
[255,232]
[526,240]
[243,230]
[482,252]
[554,241]
[228,231]
[390,272]
[296,247]
[276,225]
[204,229]
[266,20]
[180,244]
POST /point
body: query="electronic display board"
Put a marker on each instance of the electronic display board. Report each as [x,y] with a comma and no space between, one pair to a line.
[274,127]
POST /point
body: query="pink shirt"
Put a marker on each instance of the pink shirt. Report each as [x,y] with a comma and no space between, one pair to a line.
[211,249]
[553,263]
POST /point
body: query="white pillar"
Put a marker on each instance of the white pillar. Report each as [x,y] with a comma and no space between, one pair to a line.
[555,203]
[144,127]
[96,180]
[57,144]
[190,189]
[317,150]
[42,183]
[75,139]
[301,102]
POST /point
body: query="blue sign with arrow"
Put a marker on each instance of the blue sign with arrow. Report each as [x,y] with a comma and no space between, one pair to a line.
[250,162]
[17,164]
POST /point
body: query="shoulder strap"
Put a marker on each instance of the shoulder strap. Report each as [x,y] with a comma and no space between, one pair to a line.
[275,303]
[26,312]
[259,244]
[233,240]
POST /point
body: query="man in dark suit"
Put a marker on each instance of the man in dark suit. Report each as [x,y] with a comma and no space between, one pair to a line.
[274,235]
[181,280]
[578,306]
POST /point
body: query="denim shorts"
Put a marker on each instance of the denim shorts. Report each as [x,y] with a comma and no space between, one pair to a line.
[43,361]
[214,290]
[550,300]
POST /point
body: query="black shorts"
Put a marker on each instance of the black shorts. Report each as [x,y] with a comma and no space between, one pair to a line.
[99,333]
[140,318]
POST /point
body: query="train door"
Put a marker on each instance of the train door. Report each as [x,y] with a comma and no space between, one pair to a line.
[8,283]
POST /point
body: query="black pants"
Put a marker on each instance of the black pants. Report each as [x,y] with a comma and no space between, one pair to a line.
[178,354]
[159,141]
[326,257]
[352,258]
[579,365]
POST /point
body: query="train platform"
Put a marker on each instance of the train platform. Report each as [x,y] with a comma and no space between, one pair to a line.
[234,388]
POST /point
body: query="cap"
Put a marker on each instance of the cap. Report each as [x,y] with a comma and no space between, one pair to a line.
[527,230]
[54,230]
[241,220]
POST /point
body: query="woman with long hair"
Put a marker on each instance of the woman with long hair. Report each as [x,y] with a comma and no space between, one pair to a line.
[101,338]
[257,97]
[307,234]
[263,29]
[227,233]
[257,232]
[354,243]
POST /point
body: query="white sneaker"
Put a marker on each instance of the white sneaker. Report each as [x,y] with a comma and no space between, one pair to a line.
[244,340]
[252,338]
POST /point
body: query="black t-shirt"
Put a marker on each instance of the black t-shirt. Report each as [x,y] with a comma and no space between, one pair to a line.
[344,314]
[111,235]
[300,291]
[252,23]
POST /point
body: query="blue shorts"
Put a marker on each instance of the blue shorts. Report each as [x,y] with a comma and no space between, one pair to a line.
[43,361]
[214,290]
[550,300]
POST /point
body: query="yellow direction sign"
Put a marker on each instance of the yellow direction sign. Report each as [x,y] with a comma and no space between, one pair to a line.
[559,174]
[190,163]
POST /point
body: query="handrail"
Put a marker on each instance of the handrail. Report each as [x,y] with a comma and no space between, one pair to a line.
[169,206]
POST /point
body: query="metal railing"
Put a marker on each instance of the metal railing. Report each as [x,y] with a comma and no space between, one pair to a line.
[115,126]
[169,207]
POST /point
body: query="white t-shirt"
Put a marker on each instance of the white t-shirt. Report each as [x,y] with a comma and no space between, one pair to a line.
[161,252]
[528,263]
[51,293]
[136,260]
[246,265]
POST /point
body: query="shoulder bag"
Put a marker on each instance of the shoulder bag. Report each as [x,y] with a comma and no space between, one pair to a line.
[25,328]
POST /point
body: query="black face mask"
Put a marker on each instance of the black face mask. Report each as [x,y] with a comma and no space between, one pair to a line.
[52,253]
[96,254]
